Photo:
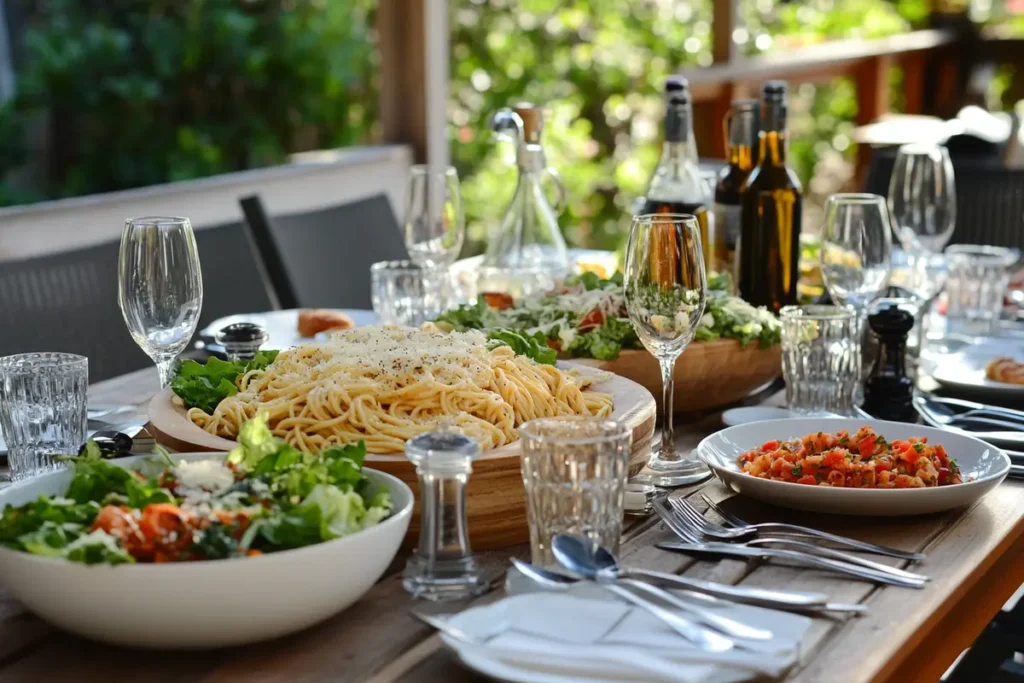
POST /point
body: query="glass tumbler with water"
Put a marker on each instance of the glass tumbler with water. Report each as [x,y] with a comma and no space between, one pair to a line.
[976,284]
[43,409]
[406,293]
[820,358]
[574,473]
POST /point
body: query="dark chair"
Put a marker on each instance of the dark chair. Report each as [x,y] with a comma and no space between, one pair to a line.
[68,301]
[322,259]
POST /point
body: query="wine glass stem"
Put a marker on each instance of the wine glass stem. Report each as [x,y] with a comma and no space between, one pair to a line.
[165,367]
[667,452]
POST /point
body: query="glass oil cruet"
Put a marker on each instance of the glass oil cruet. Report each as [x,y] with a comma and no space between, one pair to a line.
[443,566]
[527,253]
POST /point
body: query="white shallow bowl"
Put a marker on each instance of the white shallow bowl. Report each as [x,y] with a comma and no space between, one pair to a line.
[202,604]
[983,466]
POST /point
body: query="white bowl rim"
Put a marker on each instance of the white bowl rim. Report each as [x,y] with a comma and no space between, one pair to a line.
[394,518]
[715,464]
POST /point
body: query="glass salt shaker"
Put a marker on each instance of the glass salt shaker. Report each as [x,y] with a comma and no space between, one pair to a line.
[242,340]
[443,566]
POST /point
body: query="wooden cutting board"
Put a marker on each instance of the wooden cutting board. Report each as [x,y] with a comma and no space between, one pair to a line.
[495,502]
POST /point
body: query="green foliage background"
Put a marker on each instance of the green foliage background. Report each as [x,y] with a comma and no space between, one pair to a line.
[133,93]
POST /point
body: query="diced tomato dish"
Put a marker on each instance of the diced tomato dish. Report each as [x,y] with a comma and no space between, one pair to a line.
[863,460]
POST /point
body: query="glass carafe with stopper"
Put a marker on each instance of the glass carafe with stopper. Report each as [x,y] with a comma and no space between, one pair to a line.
[443,566]
[527,254]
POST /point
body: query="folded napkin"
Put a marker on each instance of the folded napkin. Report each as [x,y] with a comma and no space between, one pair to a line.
[586,634]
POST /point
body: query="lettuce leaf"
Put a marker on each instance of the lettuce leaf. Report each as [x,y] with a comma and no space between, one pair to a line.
[534,346]
[204,386]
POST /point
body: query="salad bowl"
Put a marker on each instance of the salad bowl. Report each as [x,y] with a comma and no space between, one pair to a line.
[203,604]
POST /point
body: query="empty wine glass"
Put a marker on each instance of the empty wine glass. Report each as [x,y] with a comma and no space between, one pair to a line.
[922,198]
[434,224]
[160,287]
[666,291]
[856,248]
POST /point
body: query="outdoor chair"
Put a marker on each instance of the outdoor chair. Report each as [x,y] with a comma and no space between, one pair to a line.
[322,259]
[68,301]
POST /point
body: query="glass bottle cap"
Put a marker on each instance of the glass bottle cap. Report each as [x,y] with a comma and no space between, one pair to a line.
[442,449]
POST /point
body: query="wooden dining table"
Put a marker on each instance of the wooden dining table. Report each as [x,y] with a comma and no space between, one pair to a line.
[975,558]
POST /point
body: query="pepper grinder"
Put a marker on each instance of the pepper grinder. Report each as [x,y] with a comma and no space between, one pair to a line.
[889,392]
[241,341]
[443,566]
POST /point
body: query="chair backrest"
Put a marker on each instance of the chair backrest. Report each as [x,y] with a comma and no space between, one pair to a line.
[68,301]
[989,206]
[327,253]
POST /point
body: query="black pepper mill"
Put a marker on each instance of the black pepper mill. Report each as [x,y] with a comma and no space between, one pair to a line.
[241,341]
[889,392]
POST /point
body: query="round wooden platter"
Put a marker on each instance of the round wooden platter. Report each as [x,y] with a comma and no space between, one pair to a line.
[707,375]
[496,504]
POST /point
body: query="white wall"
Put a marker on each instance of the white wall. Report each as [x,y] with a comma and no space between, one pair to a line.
[312,180]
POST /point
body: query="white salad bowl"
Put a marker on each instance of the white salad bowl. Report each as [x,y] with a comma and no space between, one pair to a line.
[982,466]
[204,604]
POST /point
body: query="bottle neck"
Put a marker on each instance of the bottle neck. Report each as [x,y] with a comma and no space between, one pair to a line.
[772,149]
[741,156]
[740,145]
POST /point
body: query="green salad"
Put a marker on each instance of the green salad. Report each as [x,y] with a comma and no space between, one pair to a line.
[586,317]
[266,496]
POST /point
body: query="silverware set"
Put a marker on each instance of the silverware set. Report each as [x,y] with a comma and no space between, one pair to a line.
[791,544]
[994,424]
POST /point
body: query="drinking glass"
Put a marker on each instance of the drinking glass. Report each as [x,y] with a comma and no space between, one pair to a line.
[43,409]
[160,287]
[856,248]
[574,473]
[406,293]
[820,358]
[665,291]
[434,224]
[922,197]
[976,284]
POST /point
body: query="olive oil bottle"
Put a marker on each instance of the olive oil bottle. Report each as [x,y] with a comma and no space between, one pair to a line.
[769,249]
[740,138]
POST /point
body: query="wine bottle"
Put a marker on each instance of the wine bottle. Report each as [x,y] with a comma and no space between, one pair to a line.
[741,133]
[769,249]
[676,185]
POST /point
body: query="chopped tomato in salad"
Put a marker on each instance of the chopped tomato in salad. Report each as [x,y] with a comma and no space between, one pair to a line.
[863,460]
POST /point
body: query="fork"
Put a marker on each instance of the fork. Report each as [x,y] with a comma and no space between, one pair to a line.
[746,530]
[686,529]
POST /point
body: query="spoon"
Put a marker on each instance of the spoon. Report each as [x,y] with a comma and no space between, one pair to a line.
[577,557]
[705,639]
[580,550]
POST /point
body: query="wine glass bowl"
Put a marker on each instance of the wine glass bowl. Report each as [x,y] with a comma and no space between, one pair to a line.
[856,248]
[434,224]
[160,287]
[666,291]
[922,197]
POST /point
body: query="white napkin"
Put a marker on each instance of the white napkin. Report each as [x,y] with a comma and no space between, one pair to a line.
[586,634]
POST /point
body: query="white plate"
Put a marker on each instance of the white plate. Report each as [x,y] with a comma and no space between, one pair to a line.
[282,326]
[741,416]
[965,369]
[201,604]
[983,466]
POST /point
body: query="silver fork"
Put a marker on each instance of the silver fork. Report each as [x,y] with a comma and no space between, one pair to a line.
[746,530]
[791,543]
[701,546]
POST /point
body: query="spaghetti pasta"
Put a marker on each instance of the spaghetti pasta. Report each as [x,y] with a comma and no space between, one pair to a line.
[385,385]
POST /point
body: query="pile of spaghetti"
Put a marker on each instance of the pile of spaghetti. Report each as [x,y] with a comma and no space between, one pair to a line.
[384,385]
[864,460]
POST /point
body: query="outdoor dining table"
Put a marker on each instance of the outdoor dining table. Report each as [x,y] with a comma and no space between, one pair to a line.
[975,559]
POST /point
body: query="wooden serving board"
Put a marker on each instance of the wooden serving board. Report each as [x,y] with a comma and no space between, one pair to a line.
[495,502]
[707,374]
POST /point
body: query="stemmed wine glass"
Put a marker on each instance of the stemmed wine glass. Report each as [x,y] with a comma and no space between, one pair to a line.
[856,251]
[922,198]
[666,291]
[434,223]
[160,287]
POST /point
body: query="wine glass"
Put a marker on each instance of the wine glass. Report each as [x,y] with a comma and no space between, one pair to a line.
[160,287]
[434,224]
[856,248]
[666,291]
[922,198]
